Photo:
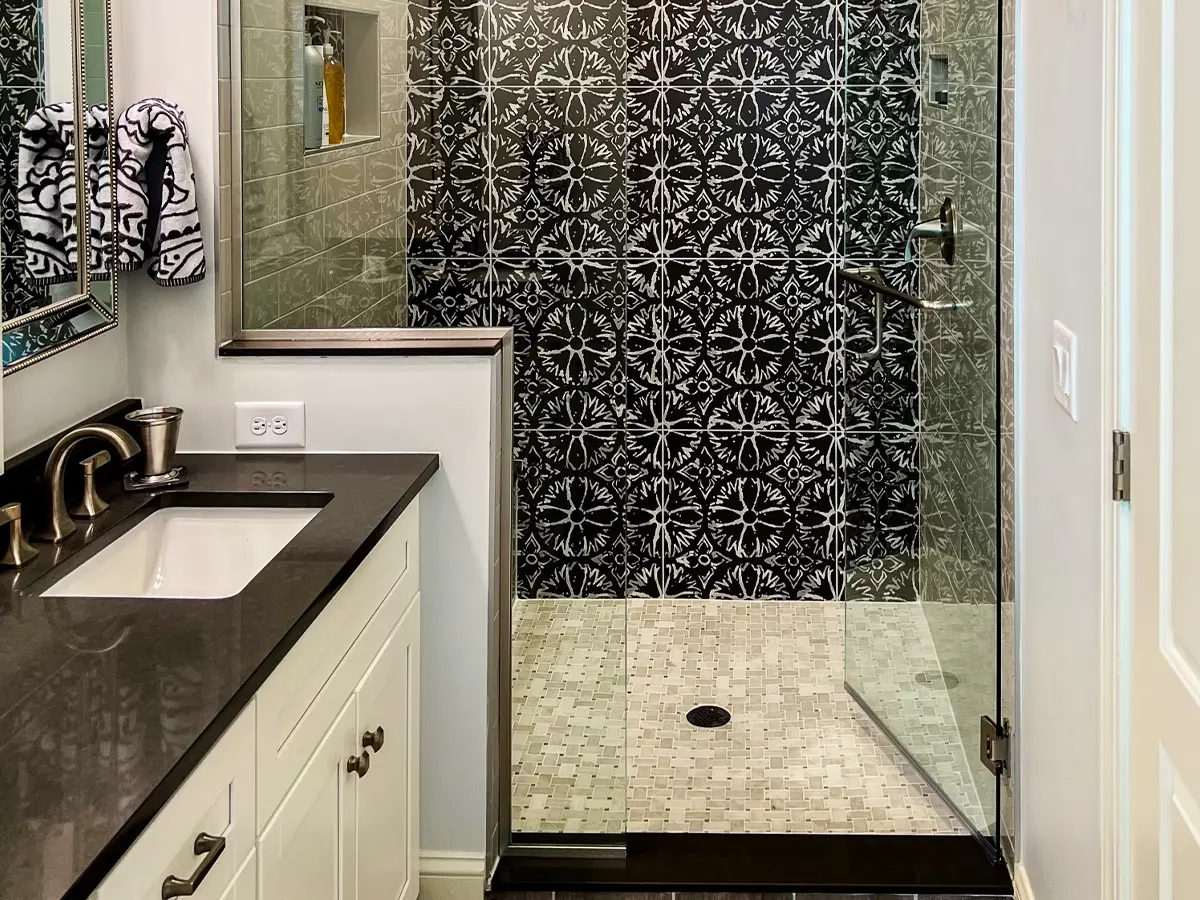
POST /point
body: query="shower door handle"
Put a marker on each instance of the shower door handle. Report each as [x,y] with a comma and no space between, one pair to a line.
[871,278]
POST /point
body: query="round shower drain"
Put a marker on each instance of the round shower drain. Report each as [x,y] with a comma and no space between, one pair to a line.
[946,679]
[709,717]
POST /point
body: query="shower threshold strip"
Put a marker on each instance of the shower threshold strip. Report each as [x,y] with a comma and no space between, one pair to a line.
[832,863]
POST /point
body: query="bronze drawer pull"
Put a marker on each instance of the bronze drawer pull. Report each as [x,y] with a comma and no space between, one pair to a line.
[211,849]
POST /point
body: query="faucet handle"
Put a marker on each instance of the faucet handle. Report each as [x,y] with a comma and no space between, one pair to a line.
[20,553]
[95,461]
[91,506]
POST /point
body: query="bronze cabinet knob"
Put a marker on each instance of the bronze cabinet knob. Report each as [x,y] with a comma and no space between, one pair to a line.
[359,765]
[373,740]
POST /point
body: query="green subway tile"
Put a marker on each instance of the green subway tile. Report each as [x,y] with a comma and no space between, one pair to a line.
[272,151]
[260,302]
[280,245]
[300,284]
[384,167]
[342,263]
[261,202]
[350,218]
[344,179]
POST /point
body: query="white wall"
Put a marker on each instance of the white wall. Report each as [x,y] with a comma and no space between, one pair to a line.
[370,405]
[1060,147]
[58,392]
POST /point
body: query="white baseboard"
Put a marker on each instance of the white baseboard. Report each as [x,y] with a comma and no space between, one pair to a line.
[1021,888]
[452,876]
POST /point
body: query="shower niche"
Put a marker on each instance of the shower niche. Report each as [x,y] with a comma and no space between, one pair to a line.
[341,77]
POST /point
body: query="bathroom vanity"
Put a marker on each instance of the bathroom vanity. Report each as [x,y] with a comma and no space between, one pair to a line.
[260,744]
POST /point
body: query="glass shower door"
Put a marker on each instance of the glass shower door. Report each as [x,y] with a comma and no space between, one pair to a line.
[920,392]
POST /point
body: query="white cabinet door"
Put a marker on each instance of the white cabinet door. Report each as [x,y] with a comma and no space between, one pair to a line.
[204,834]
[306,850]
[388,708]
[245,882]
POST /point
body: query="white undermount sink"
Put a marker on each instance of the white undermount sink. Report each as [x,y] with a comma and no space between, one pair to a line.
[202,553]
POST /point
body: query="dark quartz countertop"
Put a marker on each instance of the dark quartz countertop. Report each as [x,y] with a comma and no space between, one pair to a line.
[107,704]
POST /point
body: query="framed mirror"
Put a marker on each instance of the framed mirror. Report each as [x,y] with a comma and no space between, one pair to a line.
[55,84]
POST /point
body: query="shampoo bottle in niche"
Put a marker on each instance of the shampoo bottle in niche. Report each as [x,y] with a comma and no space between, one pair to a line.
[314,87]
[335,91]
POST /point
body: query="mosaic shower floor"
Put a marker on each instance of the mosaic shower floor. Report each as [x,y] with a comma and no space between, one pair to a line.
[799,755]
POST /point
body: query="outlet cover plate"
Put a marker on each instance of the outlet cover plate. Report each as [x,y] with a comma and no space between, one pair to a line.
[273,425]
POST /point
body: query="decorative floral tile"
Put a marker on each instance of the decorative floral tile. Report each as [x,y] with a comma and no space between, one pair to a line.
[883,41]
[20,297]
[568,318]
[646,346]
[879,205]
[444,42]
[749,345]
[880,538]
[446,171]
[880,394]
[645,514]
[754,43]
[750,171]
[448,293]
[20,44]
[570,499]
[750,515]
[646,20]
[645,171]
[664,253]
[563,43]
[558,184]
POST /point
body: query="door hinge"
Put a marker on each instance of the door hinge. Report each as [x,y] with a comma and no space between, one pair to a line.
[993,744]
[1120,470]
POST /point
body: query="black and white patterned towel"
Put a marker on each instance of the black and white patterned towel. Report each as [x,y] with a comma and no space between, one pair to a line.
[158,217]
[46,169]
[157,214]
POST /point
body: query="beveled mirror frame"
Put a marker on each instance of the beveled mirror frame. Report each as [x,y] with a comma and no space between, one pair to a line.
[85,300]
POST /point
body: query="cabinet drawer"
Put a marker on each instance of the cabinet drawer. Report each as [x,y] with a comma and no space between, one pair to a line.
[216,800]
[301,699]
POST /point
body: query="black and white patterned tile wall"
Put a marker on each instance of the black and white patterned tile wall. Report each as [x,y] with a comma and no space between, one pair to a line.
[657,195]
[22,92]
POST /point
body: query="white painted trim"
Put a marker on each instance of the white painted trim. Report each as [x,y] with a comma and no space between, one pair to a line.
[1021,888]
[1116,353]
[452,863]
[452,876]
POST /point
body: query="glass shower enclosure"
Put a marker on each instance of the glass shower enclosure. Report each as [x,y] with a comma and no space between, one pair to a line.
[895,108]
[922,612]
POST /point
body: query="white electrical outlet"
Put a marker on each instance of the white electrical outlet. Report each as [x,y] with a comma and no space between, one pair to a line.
[275,425]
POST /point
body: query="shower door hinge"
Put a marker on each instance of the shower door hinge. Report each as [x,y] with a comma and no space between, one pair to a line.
[993,744]
[1120,463]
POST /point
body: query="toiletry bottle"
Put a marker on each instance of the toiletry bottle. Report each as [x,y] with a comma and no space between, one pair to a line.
[314,89]
[335,90]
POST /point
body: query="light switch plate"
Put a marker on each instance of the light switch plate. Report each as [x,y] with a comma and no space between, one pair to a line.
[277,425]
[1065,362]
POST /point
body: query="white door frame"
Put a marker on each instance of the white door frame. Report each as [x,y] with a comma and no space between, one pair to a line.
[1117,606]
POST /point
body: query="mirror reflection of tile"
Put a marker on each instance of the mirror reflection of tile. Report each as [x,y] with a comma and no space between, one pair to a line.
[323,215]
